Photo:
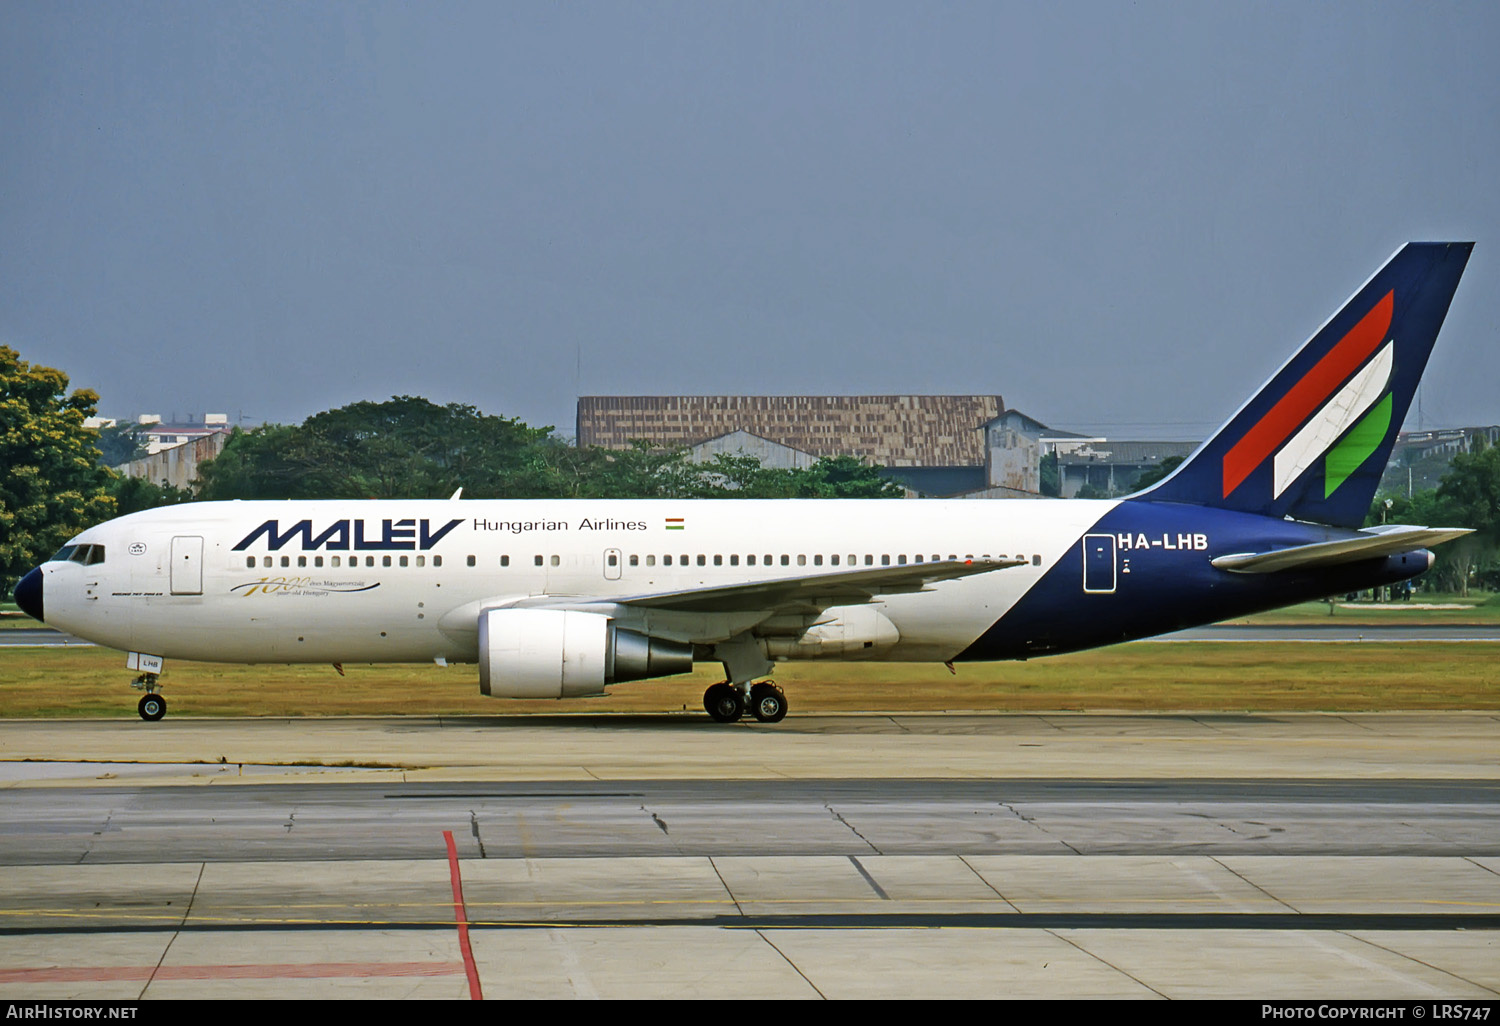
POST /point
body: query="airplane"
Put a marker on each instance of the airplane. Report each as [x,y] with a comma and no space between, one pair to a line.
[564,598]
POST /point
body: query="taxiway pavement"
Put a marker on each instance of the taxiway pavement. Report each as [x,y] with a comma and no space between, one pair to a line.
[1267,857]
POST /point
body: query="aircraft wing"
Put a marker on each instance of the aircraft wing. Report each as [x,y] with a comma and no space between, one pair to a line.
[721,611]
[840,588]
[1390,540]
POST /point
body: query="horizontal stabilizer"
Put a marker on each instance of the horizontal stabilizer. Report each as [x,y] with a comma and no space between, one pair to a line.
[1380,541]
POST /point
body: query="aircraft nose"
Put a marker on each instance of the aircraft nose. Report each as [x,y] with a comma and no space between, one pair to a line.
[29,594]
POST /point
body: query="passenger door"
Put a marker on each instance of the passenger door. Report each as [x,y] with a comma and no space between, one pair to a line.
[187,565]
[1098,564]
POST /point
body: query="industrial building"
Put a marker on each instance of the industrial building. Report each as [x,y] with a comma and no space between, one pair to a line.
[1108,467]
[936,445]
[933,444]
[174,450]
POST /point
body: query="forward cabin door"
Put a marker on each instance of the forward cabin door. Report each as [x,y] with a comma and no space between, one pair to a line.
[187,565]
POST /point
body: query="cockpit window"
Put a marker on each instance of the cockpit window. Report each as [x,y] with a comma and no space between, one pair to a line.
[88,555]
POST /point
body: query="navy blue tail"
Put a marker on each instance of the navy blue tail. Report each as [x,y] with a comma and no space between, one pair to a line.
[1313,443]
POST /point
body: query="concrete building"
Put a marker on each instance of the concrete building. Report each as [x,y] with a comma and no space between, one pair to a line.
[173,450]
[177,465]
[1449,442]
[743,443]
[160,435]
[1419,459]
[1014,445]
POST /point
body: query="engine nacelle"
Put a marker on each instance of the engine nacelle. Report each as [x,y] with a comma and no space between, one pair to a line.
[561,653]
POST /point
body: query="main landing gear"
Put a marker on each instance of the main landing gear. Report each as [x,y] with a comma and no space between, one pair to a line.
[152,706]
[727,702]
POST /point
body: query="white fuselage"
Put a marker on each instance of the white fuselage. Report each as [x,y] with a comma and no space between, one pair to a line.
[405,581]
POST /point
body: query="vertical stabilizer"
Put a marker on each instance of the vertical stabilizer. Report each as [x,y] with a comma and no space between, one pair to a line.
[1314,441]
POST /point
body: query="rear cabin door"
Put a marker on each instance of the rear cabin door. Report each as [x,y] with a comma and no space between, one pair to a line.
[1099,564]
[187,565]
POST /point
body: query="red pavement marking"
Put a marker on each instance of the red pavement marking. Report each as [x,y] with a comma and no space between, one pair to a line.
[283,971]
[462,915]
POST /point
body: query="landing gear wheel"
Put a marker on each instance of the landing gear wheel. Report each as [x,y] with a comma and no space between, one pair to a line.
[767,702]
[724,703]
[152,707]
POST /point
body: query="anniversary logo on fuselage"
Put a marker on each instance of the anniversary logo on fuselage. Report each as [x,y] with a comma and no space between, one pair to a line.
[301,586]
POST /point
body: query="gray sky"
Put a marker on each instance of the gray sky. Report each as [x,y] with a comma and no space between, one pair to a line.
[1119,216]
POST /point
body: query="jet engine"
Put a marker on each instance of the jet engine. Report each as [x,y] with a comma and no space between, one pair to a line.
[561,653]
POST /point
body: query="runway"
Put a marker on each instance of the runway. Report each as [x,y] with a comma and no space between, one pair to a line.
[355,821]
[1061,856]
[40,637]
[1337,632]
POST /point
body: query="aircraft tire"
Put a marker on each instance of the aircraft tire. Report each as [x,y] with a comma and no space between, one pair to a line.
[767,703]
[152,708]
[724,703]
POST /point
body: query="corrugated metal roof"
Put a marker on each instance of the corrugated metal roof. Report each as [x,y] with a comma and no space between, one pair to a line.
[893,430]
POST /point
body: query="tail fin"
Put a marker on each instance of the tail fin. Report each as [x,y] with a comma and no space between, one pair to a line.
[1314,441]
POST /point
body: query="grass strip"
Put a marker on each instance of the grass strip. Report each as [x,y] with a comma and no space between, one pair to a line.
[1145,676]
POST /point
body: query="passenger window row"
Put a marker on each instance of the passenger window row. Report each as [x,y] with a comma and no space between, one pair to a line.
[95,554]
[353,561]
[769,559]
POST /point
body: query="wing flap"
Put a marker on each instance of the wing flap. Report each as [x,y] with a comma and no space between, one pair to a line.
[1387,541]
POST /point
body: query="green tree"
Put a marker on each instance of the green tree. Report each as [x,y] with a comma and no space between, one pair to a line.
[120,444]
[1470,493]
[642,471]
[133,494]
[1051,476]
[407,447]
[53,486]
[1468,496]
[844,477]
[253,465]
[731,476]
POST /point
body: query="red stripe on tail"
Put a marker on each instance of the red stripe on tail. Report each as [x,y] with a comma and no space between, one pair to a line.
[1307,395]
